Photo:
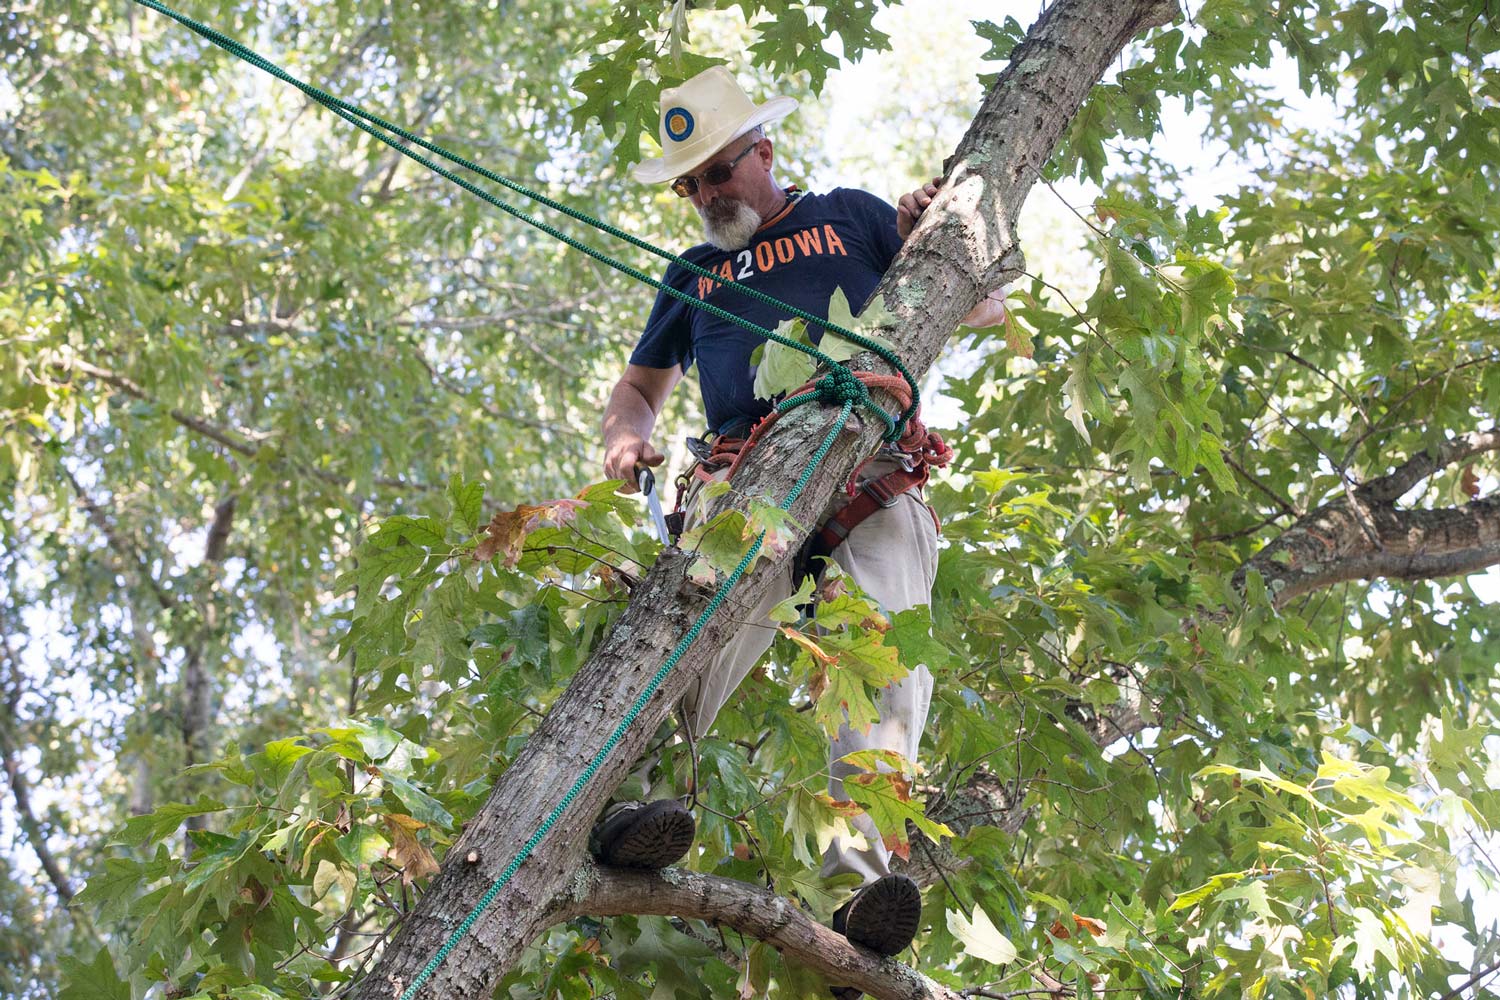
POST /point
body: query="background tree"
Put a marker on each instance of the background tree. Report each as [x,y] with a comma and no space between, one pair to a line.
[245,343]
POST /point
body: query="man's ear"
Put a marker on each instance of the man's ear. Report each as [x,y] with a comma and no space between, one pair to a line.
[765,153]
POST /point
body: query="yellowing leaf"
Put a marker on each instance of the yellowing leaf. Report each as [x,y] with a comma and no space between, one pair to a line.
[980,938]
[1370,941]
[330,874]
[809,644]
[821,819]
[861,665]
[875,316]
[886,798]
[780,528]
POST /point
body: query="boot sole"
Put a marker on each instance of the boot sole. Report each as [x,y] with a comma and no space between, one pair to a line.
[659,836]
[885,916]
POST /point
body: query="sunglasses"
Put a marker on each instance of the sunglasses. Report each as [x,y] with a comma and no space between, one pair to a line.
[687,185]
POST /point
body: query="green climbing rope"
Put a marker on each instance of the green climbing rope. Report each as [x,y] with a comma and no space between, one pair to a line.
[629,718]
[840,386]
[373,124]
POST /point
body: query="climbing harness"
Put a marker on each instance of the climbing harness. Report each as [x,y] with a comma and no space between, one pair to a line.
[918,451]
[839,386]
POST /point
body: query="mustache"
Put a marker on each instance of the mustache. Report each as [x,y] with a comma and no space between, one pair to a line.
[723,210]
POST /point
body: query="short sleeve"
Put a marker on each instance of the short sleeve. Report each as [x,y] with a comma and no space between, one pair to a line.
[879,221]
[667,341]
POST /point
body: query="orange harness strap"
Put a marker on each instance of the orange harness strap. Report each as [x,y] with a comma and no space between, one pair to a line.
[923,450]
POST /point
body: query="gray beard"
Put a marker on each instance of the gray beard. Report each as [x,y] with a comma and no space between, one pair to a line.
[729,225]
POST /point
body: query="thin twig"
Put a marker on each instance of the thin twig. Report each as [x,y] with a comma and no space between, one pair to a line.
[1082,318]
[1284,505]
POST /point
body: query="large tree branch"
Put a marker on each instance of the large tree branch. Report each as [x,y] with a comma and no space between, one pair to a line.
[964,246]
[1417,468]
[196,713]
[240,441]
[1331,545]
[754,912]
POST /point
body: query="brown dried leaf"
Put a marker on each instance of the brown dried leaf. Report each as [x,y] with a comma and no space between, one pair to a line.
[1058,931]
[506,533]
[897,845]
[817,683]
[407,852]
[1469,482]
[1089,924]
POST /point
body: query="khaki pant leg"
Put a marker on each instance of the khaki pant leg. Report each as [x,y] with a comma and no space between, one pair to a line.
[892,555]
[736,658]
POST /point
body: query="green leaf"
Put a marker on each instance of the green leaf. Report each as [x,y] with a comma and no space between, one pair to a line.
[421,805]
[108,892]
[1253,893]
[781,368]
[165,820]
[911,634]
[94,981]
[719,542]
[1205,891]
[465,502]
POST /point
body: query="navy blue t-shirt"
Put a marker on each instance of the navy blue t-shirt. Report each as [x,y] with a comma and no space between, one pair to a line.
[844,239]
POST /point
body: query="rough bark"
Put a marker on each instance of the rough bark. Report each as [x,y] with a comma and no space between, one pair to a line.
[1363,535]
[964,246]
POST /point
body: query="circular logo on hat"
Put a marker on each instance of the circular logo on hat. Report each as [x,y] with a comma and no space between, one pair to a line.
[679,123]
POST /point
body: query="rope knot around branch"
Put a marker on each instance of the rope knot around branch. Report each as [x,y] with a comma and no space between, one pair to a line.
[841,386]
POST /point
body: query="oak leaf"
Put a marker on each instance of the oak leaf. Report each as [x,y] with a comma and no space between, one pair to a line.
[506,533]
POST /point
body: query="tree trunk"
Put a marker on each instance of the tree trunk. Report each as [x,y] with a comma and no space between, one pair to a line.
[197,685]
[964,246]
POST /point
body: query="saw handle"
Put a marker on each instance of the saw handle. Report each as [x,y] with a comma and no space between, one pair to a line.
[645,479]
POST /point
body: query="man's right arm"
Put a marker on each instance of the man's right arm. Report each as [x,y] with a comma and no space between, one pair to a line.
[629,418]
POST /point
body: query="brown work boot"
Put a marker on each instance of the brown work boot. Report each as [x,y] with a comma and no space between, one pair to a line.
[643,834]
[883,917]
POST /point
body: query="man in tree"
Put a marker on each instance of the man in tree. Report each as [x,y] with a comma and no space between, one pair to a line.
[800,248]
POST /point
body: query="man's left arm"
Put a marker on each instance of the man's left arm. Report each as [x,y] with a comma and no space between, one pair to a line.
[991,309]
